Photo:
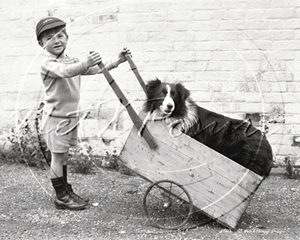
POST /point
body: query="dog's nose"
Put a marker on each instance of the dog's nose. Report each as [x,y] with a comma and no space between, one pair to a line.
[169,106]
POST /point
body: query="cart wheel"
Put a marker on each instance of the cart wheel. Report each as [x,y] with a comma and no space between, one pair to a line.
[167,204]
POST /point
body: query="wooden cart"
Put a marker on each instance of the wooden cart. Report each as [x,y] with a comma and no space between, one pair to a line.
[185,174]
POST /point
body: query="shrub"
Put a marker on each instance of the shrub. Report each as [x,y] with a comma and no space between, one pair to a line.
[85,163]
[28,146]
[292,170]
[80,161]
[23,147]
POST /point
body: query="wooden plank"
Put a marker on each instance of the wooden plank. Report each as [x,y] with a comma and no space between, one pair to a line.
[218,186]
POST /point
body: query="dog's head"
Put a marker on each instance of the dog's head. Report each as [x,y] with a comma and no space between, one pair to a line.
[166,99]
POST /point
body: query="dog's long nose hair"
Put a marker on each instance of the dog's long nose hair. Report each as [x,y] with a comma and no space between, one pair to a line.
[168,103]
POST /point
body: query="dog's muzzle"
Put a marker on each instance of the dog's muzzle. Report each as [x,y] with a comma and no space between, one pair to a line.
[168,105]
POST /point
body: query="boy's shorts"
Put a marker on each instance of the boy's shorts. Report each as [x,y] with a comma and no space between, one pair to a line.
[58,133]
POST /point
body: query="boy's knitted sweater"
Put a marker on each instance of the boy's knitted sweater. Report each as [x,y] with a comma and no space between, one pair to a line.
[61,78]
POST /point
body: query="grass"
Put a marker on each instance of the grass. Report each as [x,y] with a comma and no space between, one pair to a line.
[27,210]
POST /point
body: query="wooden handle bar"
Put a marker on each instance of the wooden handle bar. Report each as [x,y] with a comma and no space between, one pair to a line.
[133,115]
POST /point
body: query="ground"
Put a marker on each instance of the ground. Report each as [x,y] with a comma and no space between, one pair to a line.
[116,211]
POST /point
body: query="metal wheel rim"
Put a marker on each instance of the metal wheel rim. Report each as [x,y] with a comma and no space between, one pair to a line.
[181,198]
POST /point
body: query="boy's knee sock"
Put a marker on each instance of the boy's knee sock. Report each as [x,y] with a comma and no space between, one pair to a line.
[65,174]
[59,186]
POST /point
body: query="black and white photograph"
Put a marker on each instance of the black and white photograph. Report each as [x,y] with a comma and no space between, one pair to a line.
[149,120]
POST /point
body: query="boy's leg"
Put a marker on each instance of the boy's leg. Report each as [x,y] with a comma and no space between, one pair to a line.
[57,161]
[63,199]
[64,167]
[68,185]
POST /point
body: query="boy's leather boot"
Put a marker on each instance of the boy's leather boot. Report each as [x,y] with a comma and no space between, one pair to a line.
[74,195]
[67,202]
[63,199]
[69,187]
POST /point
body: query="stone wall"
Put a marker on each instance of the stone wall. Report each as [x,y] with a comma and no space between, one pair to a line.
[237,57]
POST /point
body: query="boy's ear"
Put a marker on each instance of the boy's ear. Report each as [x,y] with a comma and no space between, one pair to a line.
[41,43]
[67,37]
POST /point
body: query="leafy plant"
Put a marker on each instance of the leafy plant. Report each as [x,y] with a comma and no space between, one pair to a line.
[80,162]
[292,170]
[28,146]
[86,163]
[23,147]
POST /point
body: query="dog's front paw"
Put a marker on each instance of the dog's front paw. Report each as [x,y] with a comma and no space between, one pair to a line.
[175,125]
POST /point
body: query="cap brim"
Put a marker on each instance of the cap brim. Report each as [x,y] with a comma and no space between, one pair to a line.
[50,26]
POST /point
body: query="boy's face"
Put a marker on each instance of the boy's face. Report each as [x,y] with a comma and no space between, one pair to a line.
[54,42]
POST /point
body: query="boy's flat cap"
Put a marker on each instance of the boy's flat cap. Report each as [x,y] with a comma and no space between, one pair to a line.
[48,23]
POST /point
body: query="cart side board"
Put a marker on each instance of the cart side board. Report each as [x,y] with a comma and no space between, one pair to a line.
[219,187]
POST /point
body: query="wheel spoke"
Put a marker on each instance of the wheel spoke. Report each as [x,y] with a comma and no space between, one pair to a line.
[167,204]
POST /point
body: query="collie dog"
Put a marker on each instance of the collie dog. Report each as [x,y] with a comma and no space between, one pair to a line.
[233,138]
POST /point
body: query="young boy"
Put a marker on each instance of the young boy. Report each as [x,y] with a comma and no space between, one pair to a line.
[61,78]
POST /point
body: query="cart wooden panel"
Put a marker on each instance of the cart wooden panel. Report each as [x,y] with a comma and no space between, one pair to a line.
[219,187]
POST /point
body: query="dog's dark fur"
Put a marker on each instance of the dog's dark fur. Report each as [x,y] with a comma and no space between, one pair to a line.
[235,139]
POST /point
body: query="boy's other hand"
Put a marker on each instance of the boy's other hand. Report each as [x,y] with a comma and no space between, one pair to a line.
[122,54]
[93,59]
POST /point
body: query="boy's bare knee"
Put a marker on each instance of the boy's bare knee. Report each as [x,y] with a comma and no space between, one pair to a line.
[59,157]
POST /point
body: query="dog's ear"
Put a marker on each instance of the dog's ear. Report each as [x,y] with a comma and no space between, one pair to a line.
[183,91]
[153,84]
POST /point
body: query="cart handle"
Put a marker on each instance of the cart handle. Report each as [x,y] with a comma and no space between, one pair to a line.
[136,72]
[133,115]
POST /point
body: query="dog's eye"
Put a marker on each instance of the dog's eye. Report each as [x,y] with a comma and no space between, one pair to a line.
[163,93]
[174,94]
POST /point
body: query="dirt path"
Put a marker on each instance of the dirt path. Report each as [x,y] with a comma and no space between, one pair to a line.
[27,210]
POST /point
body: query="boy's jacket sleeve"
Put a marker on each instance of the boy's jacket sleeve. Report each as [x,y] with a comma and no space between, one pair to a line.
[92,71]
[56,69]
[96,70]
